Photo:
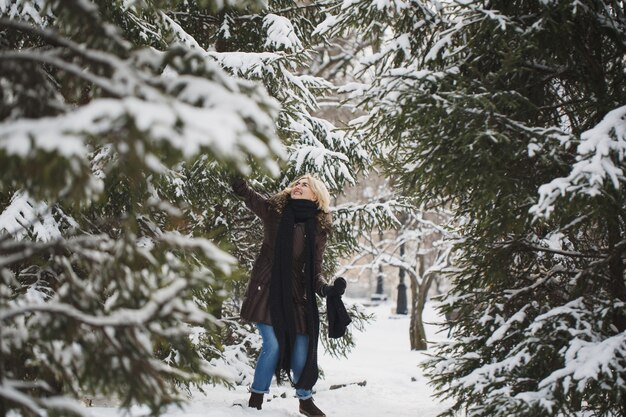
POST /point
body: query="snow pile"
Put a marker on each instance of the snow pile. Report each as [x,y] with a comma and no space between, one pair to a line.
[380,377]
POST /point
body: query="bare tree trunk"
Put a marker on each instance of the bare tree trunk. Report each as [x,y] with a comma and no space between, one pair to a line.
[413,336]
[419,293]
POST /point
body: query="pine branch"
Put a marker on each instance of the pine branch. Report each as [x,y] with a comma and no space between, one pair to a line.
[20,251]
[122,319]
[315,5]
[49,58]
[56,39]
[200,17]
[570,254]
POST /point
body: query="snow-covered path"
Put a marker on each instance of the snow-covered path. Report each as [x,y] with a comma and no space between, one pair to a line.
[394,385]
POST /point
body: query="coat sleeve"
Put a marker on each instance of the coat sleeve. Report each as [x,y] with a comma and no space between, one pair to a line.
[320,248]
[258,204]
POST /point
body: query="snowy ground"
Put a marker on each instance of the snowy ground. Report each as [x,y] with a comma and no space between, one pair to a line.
[394,385]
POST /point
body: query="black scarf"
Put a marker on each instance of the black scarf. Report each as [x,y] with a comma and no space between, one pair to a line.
[281,290]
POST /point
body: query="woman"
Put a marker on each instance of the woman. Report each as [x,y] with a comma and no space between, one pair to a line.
[286,275]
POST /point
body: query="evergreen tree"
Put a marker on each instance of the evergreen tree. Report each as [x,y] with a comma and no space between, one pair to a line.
[103,281]
[501,111]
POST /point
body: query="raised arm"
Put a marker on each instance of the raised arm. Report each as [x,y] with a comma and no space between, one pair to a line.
[253,200]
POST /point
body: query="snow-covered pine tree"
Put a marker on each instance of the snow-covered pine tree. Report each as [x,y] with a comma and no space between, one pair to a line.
[497,109]
[100,273]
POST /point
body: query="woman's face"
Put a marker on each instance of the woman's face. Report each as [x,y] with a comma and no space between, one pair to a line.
[302,191]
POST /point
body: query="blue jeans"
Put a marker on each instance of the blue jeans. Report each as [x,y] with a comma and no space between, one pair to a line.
[268,359]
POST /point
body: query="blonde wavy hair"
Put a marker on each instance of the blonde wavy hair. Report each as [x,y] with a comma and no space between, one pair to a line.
[279,200]
[317,187]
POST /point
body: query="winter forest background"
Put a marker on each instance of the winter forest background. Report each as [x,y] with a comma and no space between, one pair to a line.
[497,129]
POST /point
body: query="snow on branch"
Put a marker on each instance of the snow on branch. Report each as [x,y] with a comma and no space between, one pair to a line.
[179,32]
[150,311]
[281,34]
[255,64]
[600,159]
[399,43]
[327,25]
[382,214]
[589,356]
[321,148]
[24,10]
[190,108]
[222,260]
[22,214]
[10,390]
[586,360]
[182,126]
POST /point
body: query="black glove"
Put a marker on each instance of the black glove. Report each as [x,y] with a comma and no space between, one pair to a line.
[236,180]
[337,289]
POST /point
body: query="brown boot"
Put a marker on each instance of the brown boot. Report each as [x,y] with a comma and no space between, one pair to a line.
[309,409]
[256,400]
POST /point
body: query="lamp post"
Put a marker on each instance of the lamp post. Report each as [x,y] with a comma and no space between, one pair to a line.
[401,306]
[379,295]
[379,281]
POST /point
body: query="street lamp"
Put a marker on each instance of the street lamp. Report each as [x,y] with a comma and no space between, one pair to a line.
[379,295]
[401,306]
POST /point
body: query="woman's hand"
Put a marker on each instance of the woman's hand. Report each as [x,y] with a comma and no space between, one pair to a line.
[337,289]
